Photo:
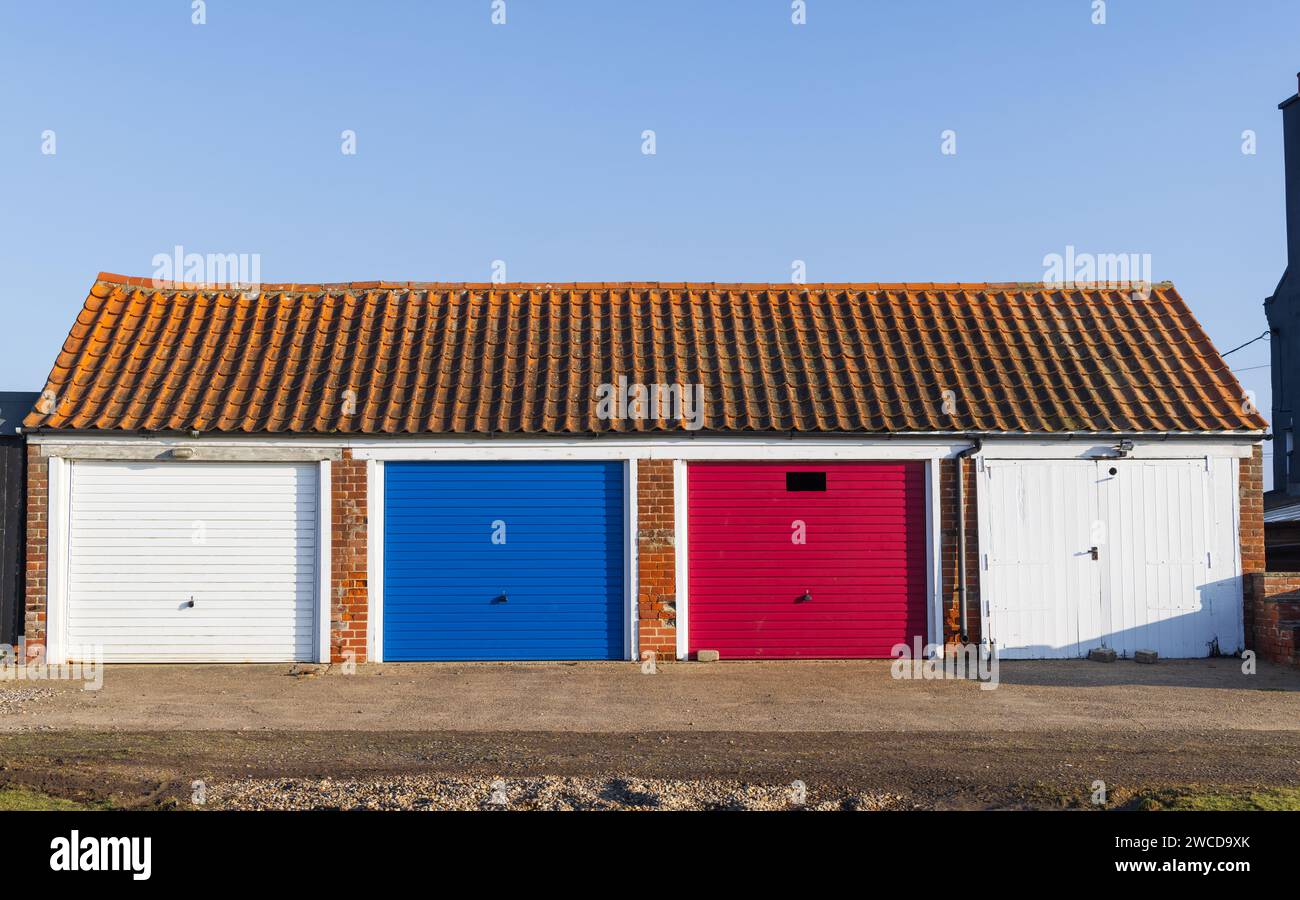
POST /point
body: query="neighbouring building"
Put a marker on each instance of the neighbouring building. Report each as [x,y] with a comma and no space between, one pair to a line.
[1277,607]
[1283,311]
[409,471]
[14,405]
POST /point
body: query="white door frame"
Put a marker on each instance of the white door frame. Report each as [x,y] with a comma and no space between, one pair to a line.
[375,559]
[681,559]
[324,560]
[59,497]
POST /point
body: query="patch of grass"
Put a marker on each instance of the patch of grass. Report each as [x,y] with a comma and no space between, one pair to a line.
[1281,799]
[21,798]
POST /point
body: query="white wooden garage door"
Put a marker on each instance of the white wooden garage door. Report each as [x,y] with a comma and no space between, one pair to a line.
[1127,554]
[194,562]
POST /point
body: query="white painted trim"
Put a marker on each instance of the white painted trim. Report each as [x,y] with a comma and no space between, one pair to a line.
[1236,555]
[56,560]
[933,556]
[201,452]
[375,560]
[507,451]
[681,558]
[984,540]
[632,625]
[1077,449]
[324,561]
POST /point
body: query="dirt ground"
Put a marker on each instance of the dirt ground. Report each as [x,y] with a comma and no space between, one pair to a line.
[616,697]
[731,735]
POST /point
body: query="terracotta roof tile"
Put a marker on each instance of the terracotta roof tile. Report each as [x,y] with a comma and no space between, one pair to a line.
[418,358]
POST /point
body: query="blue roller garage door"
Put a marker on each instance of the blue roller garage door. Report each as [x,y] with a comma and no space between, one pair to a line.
[502,561]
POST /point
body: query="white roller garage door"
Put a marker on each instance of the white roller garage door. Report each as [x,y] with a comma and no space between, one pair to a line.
[1129,554]
[193,561]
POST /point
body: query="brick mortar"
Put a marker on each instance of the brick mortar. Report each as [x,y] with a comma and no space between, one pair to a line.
[349,586]
[1274,598]
[37,539]
[656,540]
[948,549]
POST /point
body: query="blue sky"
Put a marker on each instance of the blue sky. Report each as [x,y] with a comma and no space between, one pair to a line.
[522,142]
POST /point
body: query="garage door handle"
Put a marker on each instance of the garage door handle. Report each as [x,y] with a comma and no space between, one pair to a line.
[1093,552]
[188,603]
[805,598]
[500,598]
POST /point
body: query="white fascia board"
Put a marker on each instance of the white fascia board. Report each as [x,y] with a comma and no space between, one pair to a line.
[1173,448]
[917,446]
[202,451]
[666,447]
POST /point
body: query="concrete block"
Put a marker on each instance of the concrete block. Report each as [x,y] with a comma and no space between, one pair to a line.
[1102,654]
[707,655]
[1145,656]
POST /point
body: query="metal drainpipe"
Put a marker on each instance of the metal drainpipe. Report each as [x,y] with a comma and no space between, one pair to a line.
[961,530]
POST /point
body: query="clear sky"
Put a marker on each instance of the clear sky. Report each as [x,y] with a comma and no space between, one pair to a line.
[523,143]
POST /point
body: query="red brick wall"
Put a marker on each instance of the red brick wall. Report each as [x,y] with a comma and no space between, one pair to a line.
[38,505]
[349,600]
[656,558]
[948,551]
[1250,493]
[1275,598]
[1251,489]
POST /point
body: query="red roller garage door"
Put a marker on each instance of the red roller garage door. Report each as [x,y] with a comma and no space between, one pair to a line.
[821,560]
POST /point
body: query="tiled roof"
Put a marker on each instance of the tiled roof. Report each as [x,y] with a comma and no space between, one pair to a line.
[408,358]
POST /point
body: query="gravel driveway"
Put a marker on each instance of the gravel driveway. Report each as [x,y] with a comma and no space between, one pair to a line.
[605,736]
[616,697]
